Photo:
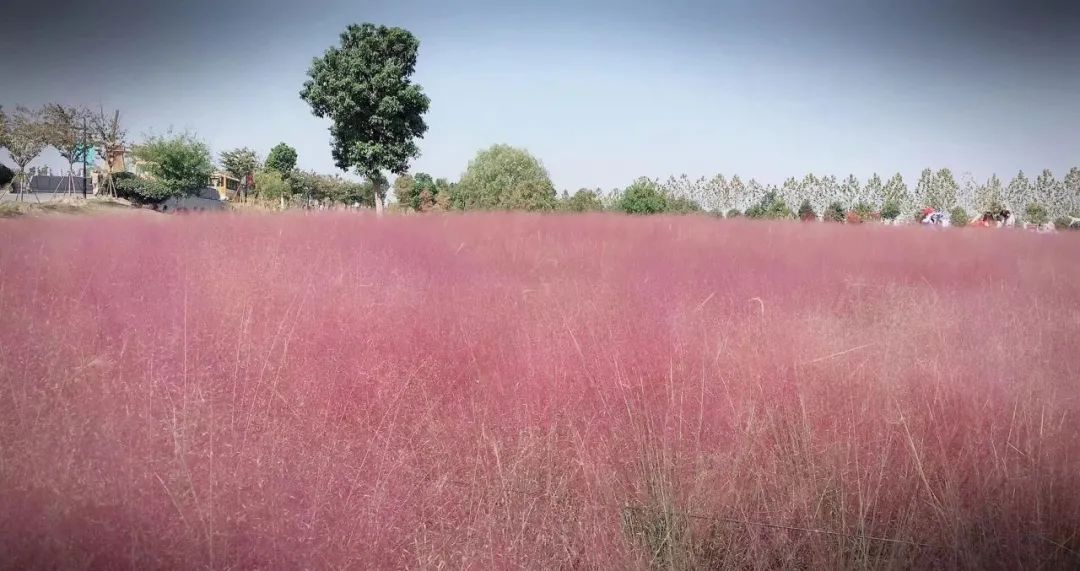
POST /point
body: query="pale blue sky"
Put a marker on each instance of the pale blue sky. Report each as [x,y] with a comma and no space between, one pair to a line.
[601,92]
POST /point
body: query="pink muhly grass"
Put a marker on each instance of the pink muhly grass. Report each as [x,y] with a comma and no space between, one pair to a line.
[493,391]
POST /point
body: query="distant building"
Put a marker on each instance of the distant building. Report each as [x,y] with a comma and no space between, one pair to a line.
[220,185]
[225,184]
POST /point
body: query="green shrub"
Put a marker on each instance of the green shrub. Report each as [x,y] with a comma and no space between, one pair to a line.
[141,190]
[270,185]
[683,205]
[1036,214]
[180,163]
[890,210]
[770,207]
[584,200]
[733,213]
[806,212]
[864,210]
[959,217]
[505,178]
[1066,222]
[834,212]
[643,197]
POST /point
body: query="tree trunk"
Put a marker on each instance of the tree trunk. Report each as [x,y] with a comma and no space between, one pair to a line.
[283,202]
[378,203]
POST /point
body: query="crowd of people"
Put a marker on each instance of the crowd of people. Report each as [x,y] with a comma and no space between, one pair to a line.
[996,218]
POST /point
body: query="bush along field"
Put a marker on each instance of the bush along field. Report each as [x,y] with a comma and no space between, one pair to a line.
[514,391]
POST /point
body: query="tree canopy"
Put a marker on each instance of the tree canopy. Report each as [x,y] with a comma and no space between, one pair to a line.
[505,178]
[771,206]
[282,158]
[419,193]
[643,196]
[64,130]
[1018,193]
[364,87]
[584,200]
[181,163]
[26,136]
[271,185]
[240,163]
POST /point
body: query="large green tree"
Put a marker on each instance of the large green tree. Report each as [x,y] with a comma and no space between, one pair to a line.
[1018,194]
[897,199]
[505,178]
[420,192]
[242,164]
[272,186]
[828,190]
[1051,194]
[945,190]
[1072,191]
[771,206]
[850,190]
[585,200]
[924,189]
[6,175]
[737,190]
[181,163]
[791,191]
[754,192]
[643,196]
[873,193]
[403,190]
[282,158]
[364,87]
[685,189]
[967,190]
[809,187]
[989,196]
[27,135]
[64,132]
[109,139]
[717,195]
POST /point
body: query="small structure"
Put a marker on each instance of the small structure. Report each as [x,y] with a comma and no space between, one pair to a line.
[225,184]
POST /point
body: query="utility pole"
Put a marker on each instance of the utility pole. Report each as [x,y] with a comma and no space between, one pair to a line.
[85,155]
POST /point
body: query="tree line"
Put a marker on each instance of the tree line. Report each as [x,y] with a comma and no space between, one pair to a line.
[363,86]
[72,131]
[165,166]
[508,178]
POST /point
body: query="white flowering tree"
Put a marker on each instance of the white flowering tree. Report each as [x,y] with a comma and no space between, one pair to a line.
[896,194]
[754,193]
[1072,191]
[965,195]
[873,193]
[717,195]
[1051,194]
[940,193]
[849,192]
[990,195]
[1018,194]
[924,189]
[738,193]
[792,192]
[685,187]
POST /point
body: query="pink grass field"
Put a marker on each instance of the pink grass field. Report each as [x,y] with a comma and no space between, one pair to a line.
[512,391]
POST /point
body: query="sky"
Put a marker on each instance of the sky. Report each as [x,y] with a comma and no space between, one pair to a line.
[600,92]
